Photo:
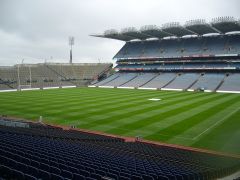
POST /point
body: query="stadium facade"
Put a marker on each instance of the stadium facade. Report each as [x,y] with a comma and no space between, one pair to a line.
[196,56]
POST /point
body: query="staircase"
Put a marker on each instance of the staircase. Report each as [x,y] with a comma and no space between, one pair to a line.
[170,82]
[109,81]
[149,80]
[129,80]
[220,84]
[61,75]
[7,84]
[193,83]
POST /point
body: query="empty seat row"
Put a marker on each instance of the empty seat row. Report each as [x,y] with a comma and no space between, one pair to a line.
[31,156]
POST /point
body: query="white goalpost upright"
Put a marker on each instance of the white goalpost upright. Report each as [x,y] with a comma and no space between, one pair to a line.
[24,85]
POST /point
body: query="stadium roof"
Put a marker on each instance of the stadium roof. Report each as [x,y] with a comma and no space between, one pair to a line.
[154,31]
[198,27]
[226,24]
[133,32]
[176,29]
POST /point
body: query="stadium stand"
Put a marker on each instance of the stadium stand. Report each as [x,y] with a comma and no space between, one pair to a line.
[109,79]
[139,80]
[39,151]
[121,80]
[208,81]
[202,54]
[50,75]
[183,81]
[161,80]
[231,83]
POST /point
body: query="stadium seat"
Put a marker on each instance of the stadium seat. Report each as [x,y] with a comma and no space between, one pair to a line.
[43,174]
[54,170]
[29,177]
[82,159]
[67,174]
[96,176]
[56,177]
[17,174]
[78,177]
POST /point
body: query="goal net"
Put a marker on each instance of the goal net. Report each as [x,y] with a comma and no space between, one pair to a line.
[24,87]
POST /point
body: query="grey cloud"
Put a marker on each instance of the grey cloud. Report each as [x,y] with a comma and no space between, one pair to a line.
[38,29]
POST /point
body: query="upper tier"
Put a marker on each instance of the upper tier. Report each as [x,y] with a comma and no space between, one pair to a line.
[220,45]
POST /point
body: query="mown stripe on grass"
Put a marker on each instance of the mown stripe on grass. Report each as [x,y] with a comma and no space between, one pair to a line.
[175,118]
[161,116]
[118,103]
[182,126]
[224,137]
[210,123]
[139,109]
[50,102]
[144,117]
[99,110]
[191,133]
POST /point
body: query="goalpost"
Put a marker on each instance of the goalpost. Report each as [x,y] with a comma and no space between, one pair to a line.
[24,86]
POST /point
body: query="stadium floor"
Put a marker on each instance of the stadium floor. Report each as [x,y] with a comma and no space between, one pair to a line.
[197,119]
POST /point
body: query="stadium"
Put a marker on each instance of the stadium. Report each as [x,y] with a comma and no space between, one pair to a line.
[168,110]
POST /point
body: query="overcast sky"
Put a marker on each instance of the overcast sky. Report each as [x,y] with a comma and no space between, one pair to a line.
[38,30]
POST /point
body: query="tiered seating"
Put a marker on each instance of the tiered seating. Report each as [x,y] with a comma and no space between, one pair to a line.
[7,78]
[50,132]
[208,81]
[3,86]
[124,78]
[45,152]
[160,81]
[139,80]
[231,83]
[183,81]
[50,75]
[213,55]
[191,46]
[233,44]
[43,77]
[168,48]
[107,80]
[150,48]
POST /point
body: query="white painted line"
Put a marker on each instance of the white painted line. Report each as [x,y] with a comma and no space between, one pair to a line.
[147,88]
[154,99]
[215,124]
[8,90]
[125,87]
[106,86]
[51,87]
[227,91]
[69,86]
[208,91]
[169,89]
[91,86]
[30,89]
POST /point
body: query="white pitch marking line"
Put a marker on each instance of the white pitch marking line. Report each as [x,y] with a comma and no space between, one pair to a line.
[154,99]
[215,124]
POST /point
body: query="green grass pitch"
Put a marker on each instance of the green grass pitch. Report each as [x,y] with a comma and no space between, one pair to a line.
[197,119]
